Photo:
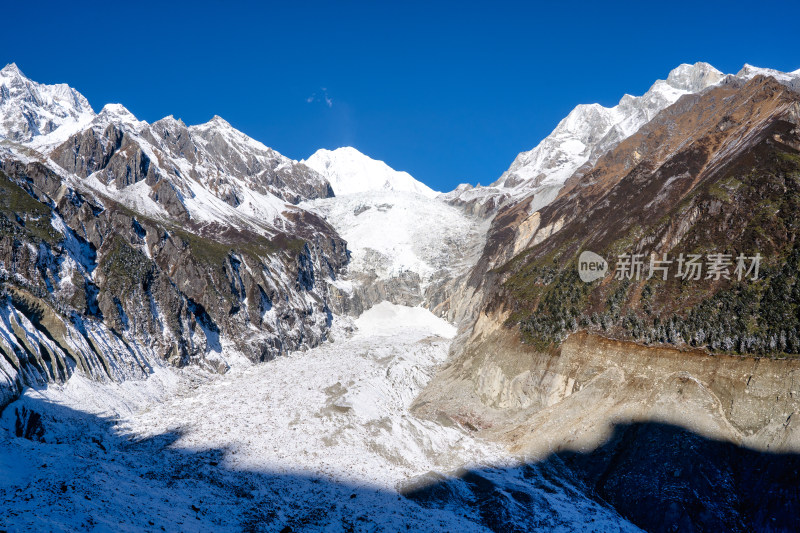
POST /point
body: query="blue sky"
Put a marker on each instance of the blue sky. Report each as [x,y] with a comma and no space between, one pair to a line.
[449,92]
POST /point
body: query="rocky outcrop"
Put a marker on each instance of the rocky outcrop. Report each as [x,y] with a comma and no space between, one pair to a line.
[362,291]
[629,420]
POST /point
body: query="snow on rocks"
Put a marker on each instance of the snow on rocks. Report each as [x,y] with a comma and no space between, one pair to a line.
[349,399]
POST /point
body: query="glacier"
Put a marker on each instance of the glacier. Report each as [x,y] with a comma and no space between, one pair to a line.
[320,440]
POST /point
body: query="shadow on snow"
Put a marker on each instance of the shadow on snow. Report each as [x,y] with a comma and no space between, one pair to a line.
[62,469]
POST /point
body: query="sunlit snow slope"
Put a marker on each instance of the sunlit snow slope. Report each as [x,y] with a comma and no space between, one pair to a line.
[349,171]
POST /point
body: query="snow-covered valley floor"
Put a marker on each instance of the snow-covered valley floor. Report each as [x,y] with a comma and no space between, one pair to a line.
[318,440]
[339,411]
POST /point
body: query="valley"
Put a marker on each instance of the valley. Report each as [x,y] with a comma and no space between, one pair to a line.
[197,332]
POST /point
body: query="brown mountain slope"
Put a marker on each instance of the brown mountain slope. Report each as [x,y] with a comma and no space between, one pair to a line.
[717,173]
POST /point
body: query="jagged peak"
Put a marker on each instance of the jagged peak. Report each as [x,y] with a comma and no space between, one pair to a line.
[219,125]
[216,122]
[171,121]
[118,114]
[749,71]
[693,77]
[12,70]
[685,77]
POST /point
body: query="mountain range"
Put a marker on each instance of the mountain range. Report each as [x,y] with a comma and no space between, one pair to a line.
[130,251]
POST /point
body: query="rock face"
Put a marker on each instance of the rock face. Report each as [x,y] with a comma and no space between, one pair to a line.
[128,245]
[232,167]
[630,420]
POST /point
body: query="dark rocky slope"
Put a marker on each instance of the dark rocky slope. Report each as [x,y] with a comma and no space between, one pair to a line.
[114,291]
[127,245]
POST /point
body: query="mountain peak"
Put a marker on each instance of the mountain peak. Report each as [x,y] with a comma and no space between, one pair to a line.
[350,172]
[11,70]
[749,71]
[118,111]
[591,129]
[36,110]
[217,120]
[694,77]
[219,125]
[171,120]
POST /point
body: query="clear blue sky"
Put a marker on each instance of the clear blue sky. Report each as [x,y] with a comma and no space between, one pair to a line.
[449,92]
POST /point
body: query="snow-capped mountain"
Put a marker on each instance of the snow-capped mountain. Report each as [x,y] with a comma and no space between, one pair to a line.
[591,130]
[790,79]
[181,242]
[58,121]
[140,262]
[29,109]
[209,164]
[716,171]
[349,171]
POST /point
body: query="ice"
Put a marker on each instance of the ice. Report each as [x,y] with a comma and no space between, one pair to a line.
[391,232]
[389,319]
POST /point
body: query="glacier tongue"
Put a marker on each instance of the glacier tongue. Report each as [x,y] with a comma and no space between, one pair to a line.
[349,401]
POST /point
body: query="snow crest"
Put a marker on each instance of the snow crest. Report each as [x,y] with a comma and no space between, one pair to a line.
[349,171]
